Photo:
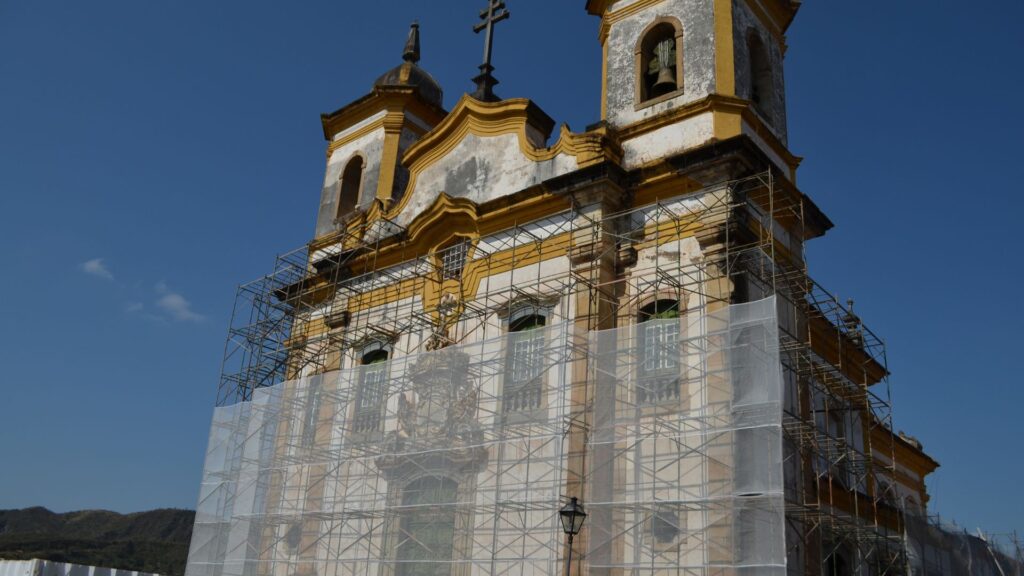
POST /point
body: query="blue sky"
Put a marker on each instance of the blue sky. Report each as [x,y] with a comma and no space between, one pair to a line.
[153,155]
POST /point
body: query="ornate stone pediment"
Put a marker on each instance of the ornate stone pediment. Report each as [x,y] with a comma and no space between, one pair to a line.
[438,417]
[485,150]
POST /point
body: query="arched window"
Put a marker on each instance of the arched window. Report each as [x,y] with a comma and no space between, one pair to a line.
[350,185]
[761,88]
[522,387]
[427,528]
[372,387]
[659,57]
[658,352]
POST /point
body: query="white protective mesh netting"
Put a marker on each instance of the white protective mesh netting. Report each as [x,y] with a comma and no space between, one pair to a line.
[455,462]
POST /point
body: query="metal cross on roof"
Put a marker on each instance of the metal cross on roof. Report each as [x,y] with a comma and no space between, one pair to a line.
[485,81]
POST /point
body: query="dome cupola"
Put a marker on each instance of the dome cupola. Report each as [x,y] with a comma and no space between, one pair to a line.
[408,73]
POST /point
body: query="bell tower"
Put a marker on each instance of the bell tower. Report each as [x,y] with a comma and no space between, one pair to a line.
[367,137]
[679,74]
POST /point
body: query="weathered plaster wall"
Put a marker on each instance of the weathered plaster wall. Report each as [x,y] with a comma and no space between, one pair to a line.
[697,18]
[482,169]
[370,147]
[744,21]
[406,139]
[668,140]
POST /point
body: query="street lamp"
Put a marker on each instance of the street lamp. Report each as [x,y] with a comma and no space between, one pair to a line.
[572,516]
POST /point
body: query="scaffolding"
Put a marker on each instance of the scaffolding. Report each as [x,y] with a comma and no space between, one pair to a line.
[697,469]
[936,546]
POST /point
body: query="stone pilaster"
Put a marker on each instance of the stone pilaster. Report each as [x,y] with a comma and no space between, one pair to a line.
[594,259]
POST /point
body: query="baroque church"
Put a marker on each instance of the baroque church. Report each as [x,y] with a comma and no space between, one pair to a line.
[498,324]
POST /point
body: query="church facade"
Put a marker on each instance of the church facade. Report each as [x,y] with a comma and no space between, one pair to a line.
[495,316]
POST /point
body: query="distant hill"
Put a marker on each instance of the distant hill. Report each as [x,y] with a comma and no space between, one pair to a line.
[154,541]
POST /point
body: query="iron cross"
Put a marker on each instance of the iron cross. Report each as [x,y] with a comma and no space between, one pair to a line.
[485,82]
[495,13]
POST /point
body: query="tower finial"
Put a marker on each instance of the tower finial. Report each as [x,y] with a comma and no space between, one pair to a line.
[412,45]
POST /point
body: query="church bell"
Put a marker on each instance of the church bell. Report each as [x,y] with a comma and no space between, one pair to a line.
[666,81]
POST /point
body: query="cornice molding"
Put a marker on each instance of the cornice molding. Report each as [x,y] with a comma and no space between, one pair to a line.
[771,22]
[779,13]
[721,106]
[627,11]
[354,135]
[608,19]
[389,98]
[598,7]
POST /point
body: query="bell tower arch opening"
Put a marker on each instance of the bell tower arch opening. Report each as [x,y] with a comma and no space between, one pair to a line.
[350,186]
[659,60]
[761,84]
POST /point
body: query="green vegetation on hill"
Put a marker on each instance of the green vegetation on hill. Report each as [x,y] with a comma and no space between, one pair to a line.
[154,541]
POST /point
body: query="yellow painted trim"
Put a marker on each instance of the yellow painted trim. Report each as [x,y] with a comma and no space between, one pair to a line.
[725,63]
[598,7]
[474,273]
[448,218]
[609,19]
[728,124]
[391,99]
[664,185]
[471,116]
[388,164]
[355,135]
[393,124]
[444,218]
[372,127]
[728,116]
[490,119]
[631,10]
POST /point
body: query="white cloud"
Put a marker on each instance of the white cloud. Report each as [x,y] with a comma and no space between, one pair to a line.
[132,307]
[177,306]
[97,268]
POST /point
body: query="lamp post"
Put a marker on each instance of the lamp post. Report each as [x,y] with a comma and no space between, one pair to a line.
[572,516]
